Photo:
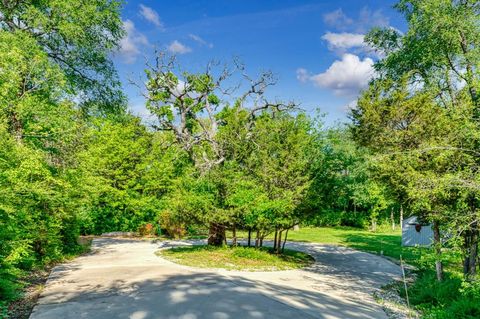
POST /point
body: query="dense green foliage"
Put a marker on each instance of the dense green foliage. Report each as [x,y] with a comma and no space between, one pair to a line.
[450,298]
[77,39]
[54,69]
[342,190]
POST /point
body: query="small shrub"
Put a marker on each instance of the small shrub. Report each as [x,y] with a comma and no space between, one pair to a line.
[196,231]
[471,289]
[352,219]
[8,286]
[69,234]
[427,291]
[146,230]
[173,227]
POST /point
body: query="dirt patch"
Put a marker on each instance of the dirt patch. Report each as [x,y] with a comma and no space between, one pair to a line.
[34,284]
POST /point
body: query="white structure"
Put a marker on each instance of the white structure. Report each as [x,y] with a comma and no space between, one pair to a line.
[415,233]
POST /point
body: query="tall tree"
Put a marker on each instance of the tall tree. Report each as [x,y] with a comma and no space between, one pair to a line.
[438,60]
[279,164]
[114,170]
[78,38]
[440,49]
[188,105]
[54,65]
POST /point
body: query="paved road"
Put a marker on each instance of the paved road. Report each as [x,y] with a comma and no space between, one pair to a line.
[123,278]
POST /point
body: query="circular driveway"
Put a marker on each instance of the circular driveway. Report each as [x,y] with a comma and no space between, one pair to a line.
[123,278]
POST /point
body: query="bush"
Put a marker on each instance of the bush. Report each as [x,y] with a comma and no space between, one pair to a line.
[172,227]
[197,231]
[8,285]
[70,232]
[427,291]
[147,229]
[339,218]
[451,298]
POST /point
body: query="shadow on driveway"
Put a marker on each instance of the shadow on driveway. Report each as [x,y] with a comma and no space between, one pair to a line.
[122,278]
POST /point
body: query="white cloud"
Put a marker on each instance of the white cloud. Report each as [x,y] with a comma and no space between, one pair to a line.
[345,77]
[366,20]
[350,106]
[151,15]
[200,40]
[181,86]
[343,41]
[178,48]
[129,45]
[302,75]
[337,19]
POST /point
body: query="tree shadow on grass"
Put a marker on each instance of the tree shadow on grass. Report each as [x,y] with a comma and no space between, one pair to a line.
[388,245]
[358,270]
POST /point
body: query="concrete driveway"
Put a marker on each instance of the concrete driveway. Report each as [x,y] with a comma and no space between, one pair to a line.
[123,278]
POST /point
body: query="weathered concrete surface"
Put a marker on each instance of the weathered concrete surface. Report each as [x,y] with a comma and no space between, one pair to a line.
[123,278]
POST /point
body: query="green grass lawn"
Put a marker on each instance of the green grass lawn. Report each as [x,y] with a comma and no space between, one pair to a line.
[236,258]
[387,243]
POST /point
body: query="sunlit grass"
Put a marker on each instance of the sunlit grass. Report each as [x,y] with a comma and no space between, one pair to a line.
[236,258]
[385,242]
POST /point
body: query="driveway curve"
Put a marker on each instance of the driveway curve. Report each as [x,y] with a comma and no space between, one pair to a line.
[123,278]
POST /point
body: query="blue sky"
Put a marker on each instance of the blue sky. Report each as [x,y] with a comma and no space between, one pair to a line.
[315,48]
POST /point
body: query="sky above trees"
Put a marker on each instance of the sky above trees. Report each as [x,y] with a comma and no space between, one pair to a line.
[315,48]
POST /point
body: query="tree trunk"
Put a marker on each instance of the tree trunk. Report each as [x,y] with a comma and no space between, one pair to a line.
[249,237]
[473,256]
[284,241]
[275,240]
[438,250]
[470,73]
[234,235]
[471,249]
[279,243]
[17,127]
[373,219]
[401,217]
[466,245]
[257,240]
[216,234]
[392,218]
